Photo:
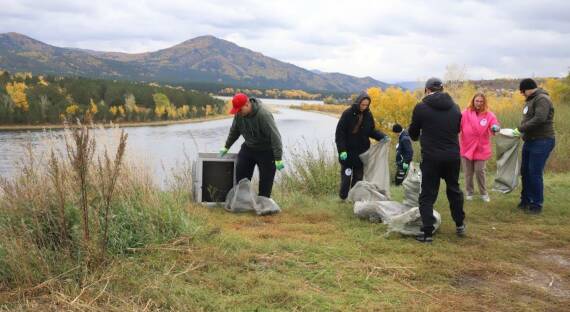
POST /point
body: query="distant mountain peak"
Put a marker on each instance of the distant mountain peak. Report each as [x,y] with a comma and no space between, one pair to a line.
[200,59]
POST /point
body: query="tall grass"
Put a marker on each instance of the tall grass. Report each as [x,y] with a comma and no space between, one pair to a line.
[314,171]
[77,210]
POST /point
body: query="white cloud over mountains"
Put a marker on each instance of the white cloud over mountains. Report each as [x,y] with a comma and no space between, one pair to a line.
[388,40]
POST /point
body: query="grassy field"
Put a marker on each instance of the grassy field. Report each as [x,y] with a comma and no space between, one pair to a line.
[316,256]
[164,252]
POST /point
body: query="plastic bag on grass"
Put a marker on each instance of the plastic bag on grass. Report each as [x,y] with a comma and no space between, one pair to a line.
[242,198]
[410,222]
[367,191]
[266,206]
[378,211]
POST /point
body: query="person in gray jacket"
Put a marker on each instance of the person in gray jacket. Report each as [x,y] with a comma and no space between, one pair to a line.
[537,130]
[262,146]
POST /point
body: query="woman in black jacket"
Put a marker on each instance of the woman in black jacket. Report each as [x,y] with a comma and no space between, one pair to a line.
[352,137]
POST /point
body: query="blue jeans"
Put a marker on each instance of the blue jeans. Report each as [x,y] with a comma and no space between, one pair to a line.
[534,156]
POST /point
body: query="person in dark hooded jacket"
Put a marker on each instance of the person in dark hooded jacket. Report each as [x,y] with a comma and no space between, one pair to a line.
[436,121]
[404,153]
[353,132]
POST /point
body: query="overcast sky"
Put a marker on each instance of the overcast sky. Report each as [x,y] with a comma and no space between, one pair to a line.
[387,40]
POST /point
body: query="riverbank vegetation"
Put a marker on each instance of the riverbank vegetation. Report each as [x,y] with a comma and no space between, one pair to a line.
[85,228]
[27,99]
[91,231]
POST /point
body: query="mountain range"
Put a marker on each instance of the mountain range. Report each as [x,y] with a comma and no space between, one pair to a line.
[204,59]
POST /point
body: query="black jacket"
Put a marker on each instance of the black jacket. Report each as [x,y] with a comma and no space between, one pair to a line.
[436,121]
[356,143]
[404,150]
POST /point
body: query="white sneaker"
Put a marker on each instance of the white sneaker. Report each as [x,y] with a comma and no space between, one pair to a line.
[468,197]
[485,198]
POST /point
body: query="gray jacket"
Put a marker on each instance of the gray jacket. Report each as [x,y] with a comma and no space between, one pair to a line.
[538,117]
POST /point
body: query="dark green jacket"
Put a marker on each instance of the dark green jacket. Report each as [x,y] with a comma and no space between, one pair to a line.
[538,116]
[258,129]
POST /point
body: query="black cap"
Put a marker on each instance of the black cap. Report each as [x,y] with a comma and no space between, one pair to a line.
[397,128]
[434,84]
[527,84]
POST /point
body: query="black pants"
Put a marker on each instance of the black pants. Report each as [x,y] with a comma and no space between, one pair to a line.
[432,172]
[246,161]
[348,178]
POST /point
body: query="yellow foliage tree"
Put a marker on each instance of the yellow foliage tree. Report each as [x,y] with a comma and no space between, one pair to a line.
[161,105]
[391,106]
[72,110]
[17,92]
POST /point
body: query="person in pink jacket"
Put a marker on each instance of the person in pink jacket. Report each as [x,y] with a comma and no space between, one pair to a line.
[477,126]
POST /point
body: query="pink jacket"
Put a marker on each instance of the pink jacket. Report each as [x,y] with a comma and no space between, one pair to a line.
[475,137]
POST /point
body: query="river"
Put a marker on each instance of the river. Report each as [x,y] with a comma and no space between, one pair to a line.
[162,148]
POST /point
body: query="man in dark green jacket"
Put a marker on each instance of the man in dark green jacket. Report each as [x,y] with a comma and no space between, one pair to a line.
[537,129]
[262,146]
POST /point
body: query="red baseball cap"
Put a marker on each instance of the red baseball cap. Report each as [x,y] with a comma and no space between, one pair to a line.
[238,102]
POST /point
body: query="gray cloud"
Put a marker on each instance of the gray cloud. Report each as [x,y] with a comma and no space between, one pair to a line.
[384,39]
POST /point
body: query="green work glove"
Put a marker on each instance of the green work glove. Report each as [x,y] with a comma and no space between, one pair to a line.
[405,166]
[343,156]
[279,165]
[516,132]
[223,151]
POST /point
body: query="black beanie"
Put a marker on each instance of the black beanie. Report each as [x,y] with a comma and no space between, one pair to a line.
[527,84]
[397,128]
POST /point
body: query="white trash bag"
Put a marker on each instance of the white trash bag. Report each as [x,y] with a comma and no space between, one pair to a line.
[366,191]
[410,222]
[242,198]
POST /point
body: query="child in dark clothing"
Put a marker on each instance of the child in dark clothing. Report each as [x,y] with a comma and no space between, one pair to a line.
[404,153]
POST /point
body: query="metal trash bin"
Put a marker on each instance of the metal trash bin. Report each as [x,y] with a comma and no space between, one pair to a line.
[213,177]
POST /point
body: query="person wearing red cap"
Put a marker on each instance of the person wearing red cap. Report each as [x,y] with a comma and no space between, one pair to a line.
[262,146]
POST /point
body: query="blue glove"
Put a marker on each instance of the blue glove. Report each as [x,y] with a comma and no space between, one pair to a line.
[405,166]
[279,165]
[495,128]
[385,139]
[516,132]
[223,151]
[343,156]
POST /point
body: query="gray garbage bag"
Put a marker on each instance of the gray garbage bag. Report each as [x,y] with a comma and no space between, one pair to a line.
[399,217]
[410,222]
[242,198]
[367,191]
[412,186]
[376,168]
[508,161]
[378,211]
[266,206]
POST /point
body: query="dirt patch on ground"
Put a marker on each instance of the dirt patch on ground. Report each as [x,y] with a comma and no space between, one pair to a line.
[550,273]
[560,258]
[549,282]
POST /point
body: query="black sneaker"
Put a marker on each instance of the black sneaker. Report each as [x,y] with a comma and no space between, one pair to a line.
[460,230]
[422,238]
[534,210]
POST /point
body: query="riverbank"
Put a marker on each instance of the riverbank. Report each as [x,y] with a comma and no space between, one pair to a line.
[110,125]
[171,254]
